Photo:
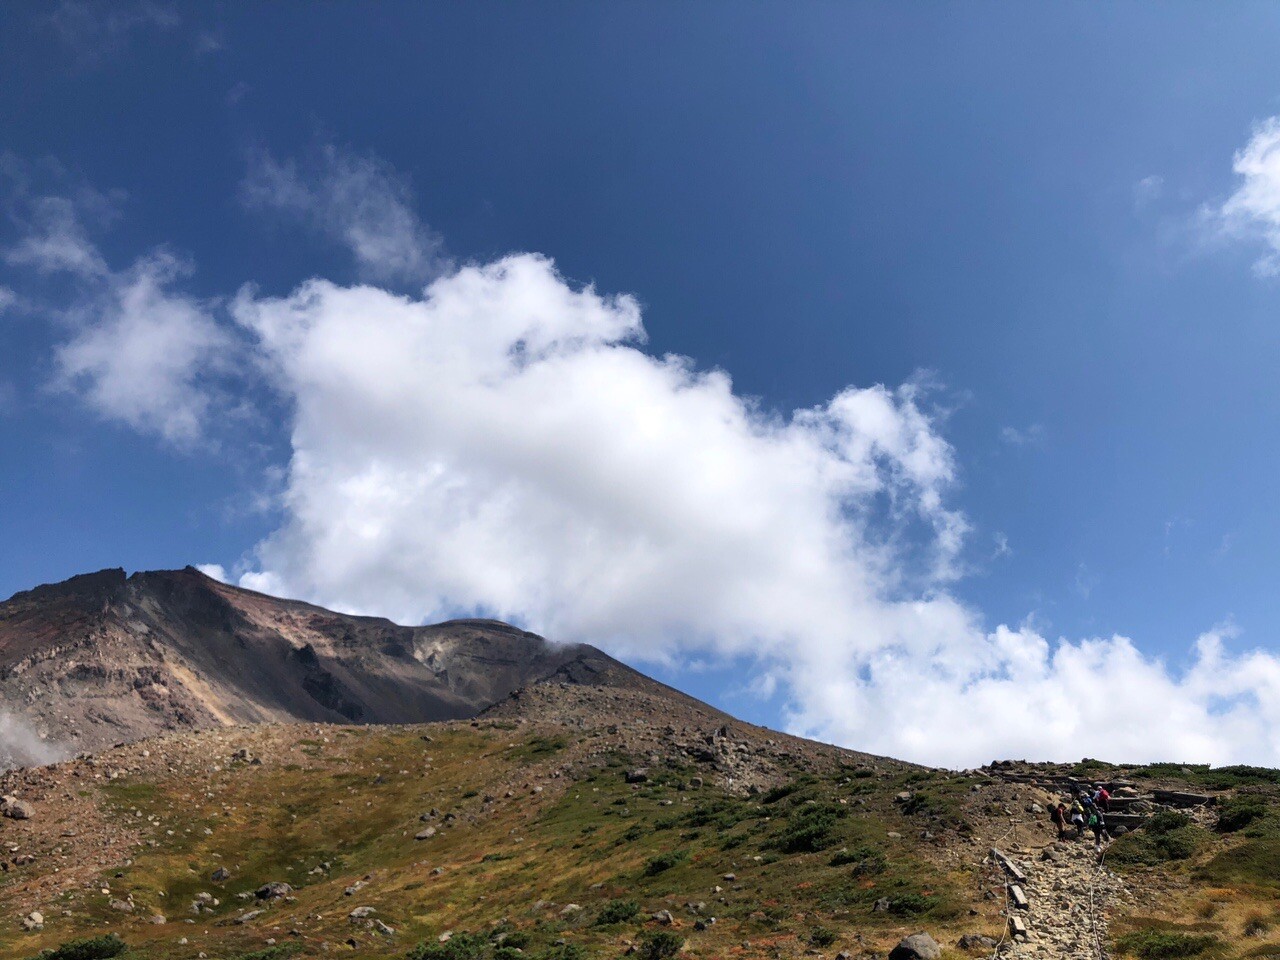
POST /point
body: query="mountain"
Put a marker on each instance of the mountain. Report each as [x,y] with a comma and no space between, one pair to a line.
[106,657]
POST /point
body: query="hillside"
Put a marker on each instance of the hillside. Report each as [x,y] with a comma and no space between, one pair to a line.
[575,821]
[106,657]
[271,779]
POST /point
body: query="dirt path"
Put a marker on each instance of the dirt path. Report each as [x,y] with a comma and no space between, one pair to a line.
[1070,896]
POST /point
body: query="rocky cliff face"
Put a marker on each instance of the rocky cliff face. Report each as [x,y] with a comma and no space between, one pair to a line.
[106,657]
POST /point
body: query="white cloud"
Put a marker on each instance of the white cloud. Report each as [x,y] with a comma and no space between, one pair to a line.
[1253,211]
[214,570]
[147,356]
[503,444]
[136,350]
[7,298]
[358,201]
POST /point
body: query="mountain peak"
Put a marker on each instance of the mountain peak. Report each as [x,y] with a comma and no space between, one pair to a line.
[104,657]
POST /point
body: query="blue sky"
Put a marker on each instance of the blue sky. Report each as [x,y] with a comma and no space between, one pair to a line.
[1017,208]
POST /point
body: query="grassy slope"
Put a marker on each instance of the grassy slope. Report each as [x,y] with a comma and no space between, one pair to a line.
[541,821]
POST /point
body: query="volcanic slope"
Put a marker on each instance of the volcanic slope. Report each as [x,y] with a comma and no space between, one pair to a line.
[105,657]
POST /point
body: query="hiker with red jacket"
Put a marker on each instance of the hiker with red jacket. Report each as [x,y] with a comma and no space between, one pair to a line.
[1102,799]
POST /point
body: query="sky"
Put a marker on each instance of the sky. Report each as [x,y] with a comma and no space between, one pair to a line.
[897,375]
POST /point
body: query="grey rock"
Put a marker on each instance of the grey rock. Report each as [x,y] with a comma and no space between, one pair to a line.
[918,946]
[16,809]
[273,890]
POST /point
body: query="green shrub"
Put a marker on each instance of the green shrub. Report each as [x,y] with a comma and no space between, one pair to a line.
[664,861]
[1166,822]
[659,945]
[90,948]
[1238,812]
[821,937]
[618,911]
[866,861]
[1166,836]
[1165,944]
[779,792]
[461,946]
[810,830]
[910,904]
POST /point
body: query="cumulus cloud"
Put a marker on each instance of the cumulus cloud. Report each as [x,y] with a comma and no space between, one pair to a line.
[1253,211]
[360,202]
[504,444]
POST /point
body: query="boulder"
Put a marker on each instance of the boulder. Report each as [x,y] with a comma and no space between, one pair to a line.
[33,921]
[918,946]
[974,941]
[273,890]
[219,875]
[16,809]
[638,775]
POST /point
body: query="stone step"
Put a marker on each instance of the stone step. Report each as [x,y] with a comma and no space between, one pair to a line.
[1011,868]
[1130,821]
[1018,897]
[1175,798]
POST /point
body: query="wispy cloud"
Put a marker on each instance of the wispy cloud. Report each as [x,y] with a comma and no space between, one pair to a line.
[1085,581]
[1002,548]
[359,201]
[96,32]
[1029,436]
[1147,191]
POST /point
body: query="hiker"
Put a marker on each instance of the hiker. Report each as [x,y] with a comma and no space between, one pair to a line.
[1099,828]
[1059,818]
[1077,818]
[1086,801]
[1102,799]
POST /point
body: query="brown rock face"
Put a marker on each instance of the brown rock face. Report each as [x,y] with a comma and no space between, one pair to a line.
[106,657]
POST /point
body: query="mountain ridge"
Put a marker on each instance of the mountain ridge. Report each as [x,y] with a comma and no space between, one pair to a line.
[106,656]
